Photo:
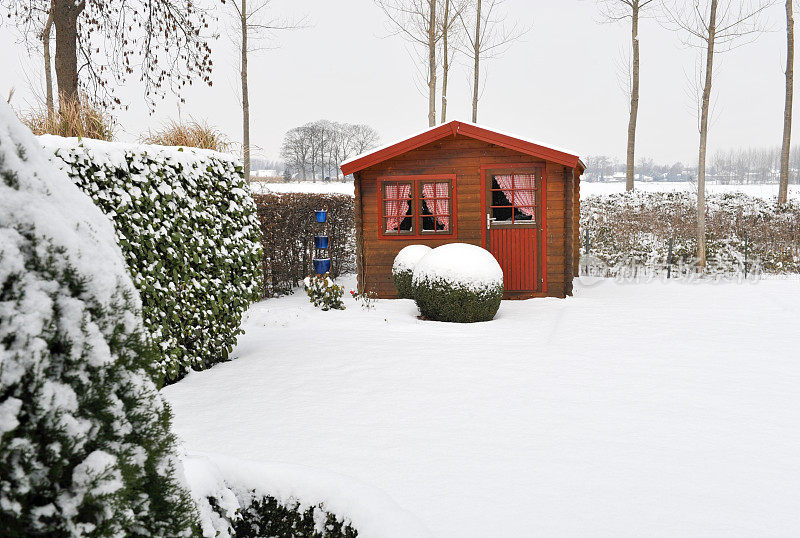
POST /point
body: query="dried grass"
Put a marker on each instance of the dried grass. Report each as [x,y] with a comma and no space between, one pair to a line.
[74,118]
[194,134]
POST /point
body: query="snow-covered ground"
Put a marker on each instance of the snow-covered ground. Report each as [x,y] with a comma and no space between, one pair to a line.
[587,188]
[320,187]
[628,410]
[759,190]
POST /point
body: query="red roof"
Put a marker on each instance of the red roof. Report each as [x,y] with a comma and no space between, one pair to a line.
[454,128]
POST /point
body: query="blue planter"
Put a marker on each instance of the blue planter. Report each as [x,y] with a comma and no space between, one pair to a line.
[322,266]
[320,241]
[322,215]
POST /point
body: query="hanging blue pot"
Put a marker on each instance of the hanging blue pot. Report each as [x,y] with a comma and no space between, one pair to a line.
[320,241]
[322,215]
[322,266]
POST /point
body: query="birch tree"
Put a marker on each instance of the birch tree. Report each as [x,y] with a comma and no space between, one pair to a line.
[416,22]
[783,189]
[253,27]
[451,10]
[714,27]
[620,10]
[487,36]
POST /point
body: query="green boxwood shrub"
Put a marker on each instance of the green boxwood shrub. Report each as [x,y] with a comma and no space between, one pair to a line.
[85,441]
[265,516]
[458,283]
[188,228]
[403,268]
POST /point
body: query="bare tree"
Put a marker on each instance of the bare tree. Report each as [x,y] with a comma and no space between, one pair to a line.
[96,48]
[487,36]
[253,27]
[618,10]
[416,22]
[48,71]
[783,189]
[451,10]
[714,26]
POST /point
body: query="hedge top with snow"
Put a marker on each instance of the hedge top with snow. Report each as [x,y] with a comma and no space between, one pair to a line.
[408,257]
[460,264]
[189,230]
[85,446]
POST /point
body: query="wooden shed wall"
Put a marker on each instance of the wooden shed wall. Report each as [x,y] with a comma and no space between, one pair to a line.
[462,156]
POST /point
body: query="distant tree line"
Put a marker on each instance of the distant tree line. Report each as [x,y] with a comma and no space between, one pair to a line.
[316,150]
[732,167]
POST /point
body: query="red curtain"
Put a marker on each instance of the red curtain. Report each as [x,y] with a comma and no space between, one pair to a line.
[510,185]
[441,205]
[397,204]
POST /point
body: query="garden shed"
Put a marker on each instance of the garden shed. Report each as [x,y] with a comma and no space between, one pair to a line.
[459,182]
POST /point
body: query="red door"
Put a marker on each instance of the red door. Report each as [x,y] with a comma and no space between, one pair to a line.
[513,225]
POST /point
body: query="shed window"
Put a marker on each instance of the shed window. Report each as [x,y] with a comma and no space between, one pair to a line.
[417,206]
[514,198]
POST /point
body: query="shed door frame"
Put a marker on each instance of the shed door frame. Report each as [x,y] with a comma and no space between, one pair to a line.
[542,167]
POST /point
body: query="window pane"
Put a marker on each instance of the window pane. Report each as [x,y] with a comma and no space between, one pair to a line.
[524,181]
[502,213]
[525,197]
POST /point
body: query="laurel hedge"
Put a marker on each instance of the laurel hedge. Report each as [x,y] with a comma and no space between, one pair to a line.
[188,228]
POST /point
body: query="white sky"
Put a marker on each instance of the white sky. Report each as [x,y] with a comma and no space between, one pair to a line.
[558,84]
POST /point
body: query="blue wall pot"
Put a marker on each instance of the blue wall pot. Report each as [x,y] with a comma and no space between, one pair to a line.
[322,215]
[320,241]
[322,266]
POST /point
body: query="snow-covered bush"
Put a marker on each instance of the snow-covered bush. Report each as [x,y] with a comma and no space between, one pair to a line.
[403,268]
[631,232]
[188,228]
[323,293]
[85,441]
[458,282]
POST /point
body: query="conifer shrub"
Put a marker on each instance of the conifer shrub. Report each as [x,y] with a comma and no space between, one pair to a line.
[265,516]
[458,283]
[188,228]
[403,268]
[85,441]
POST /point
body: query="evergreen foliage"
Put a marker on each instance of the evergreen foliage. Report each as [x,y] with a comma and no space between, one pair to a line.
[188,228]
[85,441]
[265,516]
[442,300]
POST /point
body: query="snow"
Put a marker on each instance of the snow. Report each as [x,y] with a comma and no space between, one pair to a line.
[234,480]
[658,409]
[331,187]
[408,257]
[761,190]
[461,264]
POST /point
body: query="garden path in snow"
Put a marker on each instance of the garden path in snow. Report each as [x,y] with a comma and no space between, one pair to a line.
[627,410]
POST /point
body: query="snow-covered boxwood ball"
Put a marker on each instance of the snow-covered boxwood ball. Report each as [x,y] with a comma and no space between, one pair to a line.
[403,268]
[85,441]
[188,228]
[459,283]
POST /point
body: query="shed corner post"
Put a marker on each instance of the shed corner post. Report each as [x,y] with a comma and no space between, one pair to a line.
[358,208]
[569,229]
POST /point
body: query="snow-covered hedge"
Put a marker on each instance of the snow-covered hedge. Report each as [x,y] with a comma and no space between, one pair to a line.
[459,283]
[85,441]
[630,233]
[403,268]
[247,499]
[188,228]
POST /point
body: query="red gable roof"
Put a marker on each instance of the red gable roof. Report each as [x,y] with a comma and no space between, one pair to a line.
[467,129]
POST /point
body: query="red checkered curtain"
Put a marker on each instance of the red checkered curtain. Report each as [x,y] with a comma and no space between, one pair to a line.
[396,206]
[440,206]
[524,195]
[506,183]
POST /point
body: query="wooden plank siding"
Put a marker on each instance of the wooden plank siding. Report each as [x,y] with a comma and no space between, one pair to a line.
[463,156]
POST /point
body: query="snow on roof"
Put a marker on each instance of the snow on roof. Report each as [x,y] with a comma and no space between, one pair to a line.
[479,126]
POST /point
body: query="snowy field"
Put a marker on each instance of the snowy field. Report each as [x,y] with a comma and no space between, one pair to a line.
[760,190]
[628,410]
[587,188]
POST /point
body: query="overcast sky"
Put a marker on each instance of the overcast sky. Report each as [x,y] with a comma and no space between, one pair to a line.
[559,84]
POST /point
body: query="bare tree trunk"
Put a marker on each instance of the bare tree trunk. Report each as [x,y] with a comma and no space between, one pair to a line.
[477,58]
[634,108]
[48,71]
[783,190]
[445,66]
[65,19]
[245,97]
[432,64]
[701,165]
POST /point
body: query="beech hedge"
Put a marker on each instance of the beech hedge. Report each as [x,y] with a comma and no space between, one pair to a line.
[188,228]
